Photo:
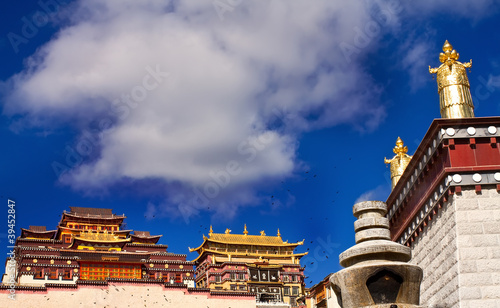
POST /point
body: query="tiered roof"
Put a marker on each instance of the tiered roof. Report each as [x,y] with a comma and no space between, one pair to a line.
[143,237]
[39,232]
[244,239]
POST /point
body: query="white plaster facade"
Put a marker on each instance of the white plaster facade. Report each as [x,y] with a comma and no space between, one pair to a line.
[122,295]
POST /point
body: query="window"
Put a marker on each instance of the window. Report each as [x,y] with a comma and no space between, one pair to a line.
[294,278]
[233,287]
[178,278]
[53,274]
[217,279]
[295,290]
[92,271]
[286,290]
[285,278]
[66,274]
[67,238]
[242,288]
[152,276]
[242,276]
[233,276]
[38,273]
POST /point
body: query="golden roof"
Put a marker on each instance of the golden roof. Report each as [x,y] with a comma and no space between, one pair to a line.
[248,254]
[245,239]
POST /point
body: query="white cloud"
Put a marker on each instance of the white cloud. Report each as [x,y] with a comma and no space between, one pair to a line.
[269,70]
[380,193]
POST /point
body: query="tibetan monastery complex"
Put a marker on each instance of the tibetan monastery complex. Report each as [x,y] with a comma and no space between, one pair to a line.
[434,243]
[261,264]
[89,246]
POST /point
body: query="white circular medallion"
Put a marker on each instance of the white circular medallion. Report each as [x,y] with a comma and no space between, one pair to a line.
[471,131]
[492,130]
[450,131]
[477,177]
[497,176]
[457,178]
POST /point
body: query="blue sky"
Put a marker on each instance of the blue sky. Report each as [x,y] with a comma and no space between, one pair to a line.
[186,114]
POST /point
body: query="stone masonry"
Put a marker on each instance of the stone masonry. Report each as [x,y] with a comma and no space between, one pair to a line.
[459,252]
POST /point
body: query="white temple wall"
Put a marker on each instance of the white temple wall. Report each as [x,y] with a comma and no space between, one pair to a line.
[121,295]
[459,252]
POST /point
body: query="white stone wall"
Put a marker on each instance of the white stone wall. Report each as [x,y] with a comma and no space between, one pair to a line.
[459,252]
[478,241]
[120,295]
[331,297]
[29,280]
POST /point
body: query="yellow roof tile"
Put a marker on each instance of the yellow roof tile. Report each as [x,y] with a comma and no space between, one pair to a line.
[243,239]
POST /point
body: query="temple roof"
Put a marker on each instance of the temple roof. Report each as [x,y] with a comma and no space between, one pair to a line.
[92,212]
[144,236]
[88,211]
[38,228]
[37,231]
[141,233]
[245,239]
[76,241]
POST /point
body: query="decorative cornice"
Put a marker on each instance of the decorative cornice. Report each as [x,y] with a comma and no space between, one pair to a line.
[444,178]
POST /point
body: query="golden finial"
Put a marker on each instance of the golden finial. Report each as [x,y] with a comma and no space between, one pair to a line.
[262,233]
[228,231]
[245,231]
[399,161]
[279,234]
[455,99]
[211,231]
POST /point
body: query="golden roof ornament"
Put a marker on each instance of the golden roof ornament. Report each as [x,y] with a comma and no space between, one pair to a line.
[455,100]
[245,230]
[279,234]
[262,233]
[211,231]
[399,162]
[228,231]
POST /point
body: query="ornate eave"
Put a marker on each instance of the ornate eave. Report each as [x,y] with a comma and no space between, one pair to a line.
[31,233]
[249,254]
[76,241]
[60,229]
[250,240]
[147,240]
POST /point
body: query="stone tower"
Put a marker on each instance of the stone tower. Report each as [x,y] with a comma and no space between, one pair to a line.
[376,272]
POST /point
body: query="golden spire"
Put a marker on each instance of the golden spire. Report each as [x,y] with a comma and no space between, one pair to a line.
[228,231]
[279,234]
[211,231]
[262,233]
[398,162]
[245,230]
[455,100]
